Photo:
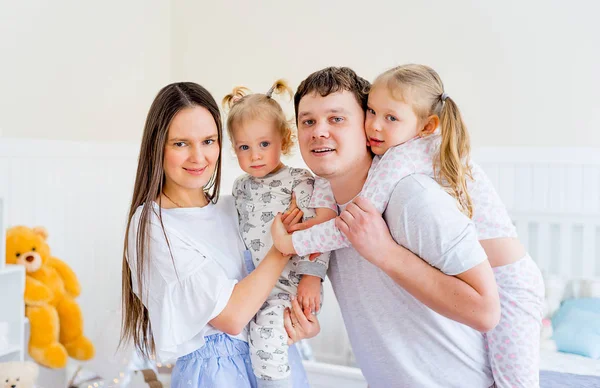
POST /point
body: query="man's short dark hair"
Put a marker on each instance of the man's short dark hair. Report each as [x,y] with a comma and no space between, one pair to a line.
[332,80]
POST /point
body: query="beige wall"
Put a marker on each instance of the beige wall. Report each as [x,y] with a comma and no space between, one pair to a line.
[524,73]
[81,70]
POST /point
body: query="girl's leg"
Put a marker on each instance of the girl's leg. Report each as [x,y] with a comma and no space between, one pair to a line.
[514,345]
[268,345]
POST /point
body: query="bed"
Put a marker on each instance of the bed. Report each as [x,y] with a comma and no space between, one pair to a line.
[559,362]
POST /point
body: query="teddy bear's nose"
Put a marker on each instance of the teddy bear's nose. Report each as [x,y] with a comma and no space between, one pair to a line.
[30,258]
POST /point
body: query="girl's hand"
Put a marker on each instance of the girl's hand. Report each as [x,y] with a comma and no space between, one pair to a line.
[366,230]
[282,240]
[309,293]
[323,215]
[305,225]
[298,324]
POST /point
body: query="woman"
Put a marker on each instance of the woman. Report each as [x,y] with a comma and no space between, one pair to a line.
[185,293]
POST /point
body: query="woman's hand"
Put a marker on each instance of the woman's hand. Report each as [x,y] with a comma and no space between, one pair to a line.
[366,229]
[292,216]
[300,324]
[282,240]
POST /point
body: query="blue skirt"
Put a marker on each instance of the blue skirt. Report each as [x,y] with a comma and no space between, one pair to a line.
[224,362]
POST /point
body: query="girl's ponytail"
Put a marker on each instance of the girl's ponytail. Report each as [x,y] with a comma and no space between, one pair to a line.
[453,164]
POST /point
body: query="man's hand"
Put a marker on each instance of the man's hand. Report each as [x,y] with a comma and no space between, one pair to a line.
[298,324]
[366,229]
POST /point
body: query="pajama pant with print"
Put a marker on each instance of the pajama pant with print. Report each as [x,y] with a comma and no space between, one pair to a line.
[514,344]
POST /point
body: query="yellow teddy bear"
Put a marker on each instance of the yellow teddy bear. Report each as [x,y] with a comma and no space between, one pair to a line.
[50,288]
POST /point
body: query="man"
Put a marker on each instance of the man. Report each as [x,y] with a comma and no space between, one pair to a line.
[402,314]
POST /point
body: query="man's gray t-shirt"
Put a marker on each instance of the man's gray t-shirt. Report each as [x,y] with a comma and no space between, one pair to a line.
[397,340]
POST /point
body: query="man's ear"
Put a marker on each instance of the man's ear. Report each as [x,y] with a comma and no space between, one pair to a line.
[431,123]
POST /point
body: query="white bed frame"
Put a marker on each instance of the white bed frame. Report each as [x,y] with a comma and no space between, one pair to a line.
[553,196]
[80,192]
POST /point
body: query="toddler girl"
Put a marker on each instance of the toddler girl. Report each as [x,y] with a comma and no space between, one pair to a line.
[260,134]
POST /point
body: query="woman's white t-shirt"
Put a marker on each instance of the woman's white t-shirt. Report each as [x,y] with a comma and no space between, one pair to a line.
[187,289]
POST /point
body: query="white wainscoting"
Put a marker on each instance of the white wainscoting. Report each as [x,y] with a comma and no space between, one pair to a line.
[80,192]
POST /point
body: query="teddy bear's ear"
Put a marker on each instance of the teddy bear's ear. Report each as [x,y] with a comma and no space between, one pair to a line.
[40,230]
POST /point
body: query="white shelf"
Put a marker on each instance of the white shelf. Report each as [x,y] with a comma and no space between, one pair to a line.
[8,269]
[12,311]
[10,350]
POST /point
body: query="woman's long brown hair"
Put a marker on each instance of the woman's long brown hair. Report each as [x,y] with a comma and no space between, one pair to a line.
[149,183]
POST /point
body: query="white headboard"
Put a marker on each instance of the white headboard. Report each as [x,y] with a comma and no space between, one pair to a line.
[553,196]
